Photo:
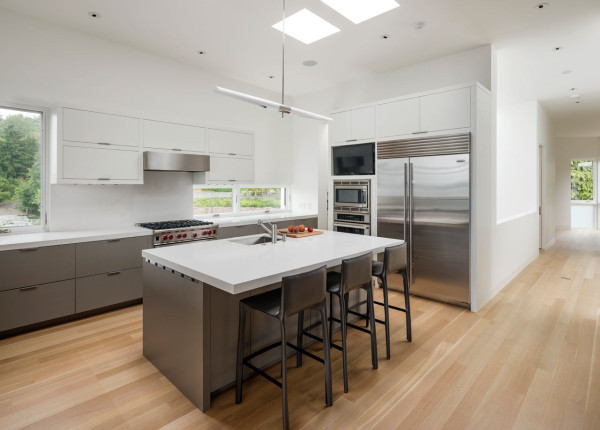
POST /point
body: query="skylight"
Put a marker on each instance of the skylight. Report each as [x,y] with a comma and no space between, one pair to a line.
[358,11]
[306,27]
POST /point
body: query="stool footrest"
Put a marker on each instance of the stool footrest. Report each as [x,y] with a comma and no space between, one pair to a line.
[303,351]
[261,373]
[390,306]
[364,302]
[352,325]
[262,351]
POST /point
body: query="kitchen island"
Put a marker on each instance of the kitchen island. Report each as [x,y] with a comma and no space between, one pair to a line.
[191,295]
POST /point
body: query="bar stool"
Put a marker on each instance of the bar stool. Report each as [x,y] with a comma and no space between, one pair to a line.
[297,294]
[355,273]
[394,261]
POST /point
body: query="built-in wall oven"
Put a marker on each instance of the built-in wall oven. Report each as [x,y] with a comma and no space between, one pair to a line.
[351,209]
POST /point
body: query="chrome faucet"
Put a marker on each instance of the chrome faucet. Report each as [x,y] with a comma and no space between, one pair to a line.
[272,231]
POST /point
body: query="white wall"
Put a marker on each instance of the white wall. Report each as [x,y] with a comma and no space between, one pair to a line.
[547,141]
[516,152]
[467,66]
[567,149]
[44,65]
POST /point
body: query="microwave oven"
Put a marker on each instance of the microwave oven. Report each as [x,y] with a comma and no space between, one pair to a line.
[351,194]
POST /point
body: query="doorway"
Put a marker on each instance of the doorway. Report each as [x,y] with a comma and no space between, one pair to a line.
[584,193]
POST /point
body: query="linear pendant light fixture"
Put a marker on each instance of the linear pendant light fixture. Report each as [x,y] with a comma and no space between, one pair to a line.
[268,104]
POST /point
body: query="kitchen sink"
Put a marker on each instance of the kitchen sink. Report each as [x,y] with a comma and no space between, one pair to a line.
[253,240]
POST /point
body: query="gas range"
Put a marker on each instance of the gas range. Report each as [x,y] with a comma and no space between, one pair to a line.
[180,231]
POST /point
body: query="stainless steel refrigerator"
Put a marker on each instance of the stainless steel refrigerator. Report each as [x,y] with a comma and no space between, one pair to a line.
[423,197]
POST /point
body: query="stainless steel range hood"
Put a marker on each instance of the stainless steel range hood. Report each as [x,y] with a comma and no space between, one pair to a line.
[175,162]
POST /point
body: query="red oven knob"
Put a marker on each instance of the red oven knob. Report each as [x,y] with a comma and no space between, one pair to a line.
[184,235]
[205,232]
[170,236]
[179,236]
[195,234]
[165,237]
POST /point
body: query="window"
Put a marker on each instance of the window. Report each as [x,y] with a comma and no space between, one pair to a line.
[261,199]
[21,190]
[582,180]
[212,200]
[236,199]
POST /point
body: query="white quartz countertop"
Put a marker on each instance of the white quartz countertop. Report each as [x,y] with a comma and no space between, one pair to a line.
[236,267]
[35,240]
[226,221]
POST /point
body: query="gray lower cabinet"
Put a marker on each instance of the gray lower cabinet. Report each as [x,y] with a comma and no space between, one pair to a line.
[110,255]
[33,266]
[107,289]
[29,305]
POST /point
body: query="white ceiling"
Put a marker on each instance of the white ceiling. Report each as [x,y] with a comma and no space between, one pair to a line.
[240,43]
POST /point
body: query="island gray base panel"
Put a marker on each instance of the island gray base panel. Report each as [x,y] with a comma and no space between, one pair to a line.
[191,330]
[176,331]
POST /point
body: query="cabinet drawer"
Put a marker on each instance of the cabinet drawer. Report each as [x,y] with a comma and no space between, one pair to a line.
[165,135]
[231,169]
[238,230]
[100,164]
[21,268]
[230,142]
[104,256]
[95,127]
[30,305]
[107,289]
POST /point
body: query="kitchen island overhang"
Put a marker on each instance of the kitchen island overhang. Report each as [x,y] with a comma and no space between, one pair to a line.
[191,296]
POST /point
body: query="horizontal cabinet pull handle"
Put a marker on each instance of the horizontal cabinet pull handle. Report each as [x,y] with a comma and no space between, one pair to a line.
[232,153]
[113,240]
[175,149]
[352,140]
[103,143]
[104,179]
[420,132]
[113,273]
[27,288]
[232,180]
[28,249]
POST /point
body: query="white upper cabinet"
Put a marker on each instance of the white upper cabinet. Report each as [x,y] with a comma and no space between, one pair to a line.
[357,124]
[100,165]
[446,110]
[230,142]
[175,137]
[94,127]
[398,118]
[228,169]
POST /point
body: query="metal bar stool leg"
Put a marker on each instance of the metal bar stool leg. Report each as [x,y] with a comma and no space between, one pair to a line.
[326,356]
[284,402]
[240,353]
[299,338]
[387,315]
[407,307]
[330,321]
[373,332]
[344,349]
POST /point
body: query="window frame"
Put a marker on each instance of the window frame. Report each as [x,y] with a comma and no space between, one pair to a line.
[236,192]
[44,157]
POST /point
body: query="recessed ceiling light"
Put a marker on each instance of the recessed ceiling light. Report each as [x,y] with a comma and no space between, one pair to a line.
[418,25]
[309,63]
[557,48]
[201,52]
[384,36]
[306,27]
[566,72]
[542,5]
[94,14]
[358,11]
[272,76]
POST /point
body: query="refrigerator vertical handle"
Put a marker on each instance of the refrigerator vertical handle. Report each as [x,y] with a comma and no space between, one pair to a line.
[405,200]
[411,217]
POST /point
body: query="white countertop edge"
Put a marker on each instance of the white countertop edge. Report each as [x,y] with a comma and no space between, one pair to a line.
[249,285]
[52,238]
[227,221]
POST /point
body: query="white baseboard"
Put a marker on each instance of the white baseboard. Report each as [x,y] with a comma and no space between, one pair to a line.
[549,244]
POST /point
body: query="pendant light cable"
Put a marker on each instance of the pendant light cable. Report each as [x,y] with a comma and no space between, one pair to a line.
[283,59]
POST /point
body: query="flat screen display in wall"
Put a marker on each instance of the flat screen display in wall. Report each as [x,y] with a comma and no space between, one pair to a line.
[354,159]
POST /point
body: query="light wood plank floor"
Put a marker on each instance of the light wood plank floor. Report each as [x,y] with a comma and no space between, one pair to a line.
[530,359]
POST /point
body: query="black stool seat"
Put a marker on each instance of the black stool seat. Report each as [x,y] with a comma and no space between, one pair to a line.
[298,293]
[377,268]
[334,281]
[268,303]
